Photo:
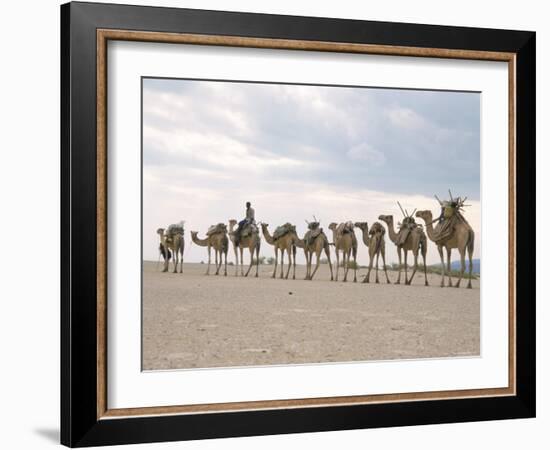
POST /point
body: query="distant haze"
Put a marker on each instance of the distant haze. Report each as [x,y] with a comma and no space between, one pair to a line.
[337,153]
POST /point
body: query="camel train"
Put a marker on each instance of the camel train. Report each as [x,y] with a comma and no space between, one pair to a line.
[451,231]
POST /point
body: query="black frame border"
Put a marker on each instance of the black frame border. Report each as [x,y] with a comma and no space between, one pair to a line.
[79,423]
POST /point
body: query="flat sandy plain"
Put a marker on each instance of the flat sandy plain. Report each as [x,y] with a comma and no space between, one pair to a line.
[195,321]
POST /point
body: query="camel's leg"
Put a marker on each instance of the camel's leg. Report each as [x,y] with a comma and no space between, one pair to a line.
[175,261]
[399,270]
[257,258]
[337,263]
[242,261]
[181,259]
[317,262]
[307,255]
[371,260]
[216,262]
[440,250]
[425,270]
[225,267]
[415,254]
[345,257]
[251,261]
[355,266]
[276,262]
[236,261]
[282,263]
[289,253]
[462,252]
[383,251]
[220,253]
[377,257]
[327,252]
[294,262]
[405,264]
[450,283]
[470,252]
[209,258]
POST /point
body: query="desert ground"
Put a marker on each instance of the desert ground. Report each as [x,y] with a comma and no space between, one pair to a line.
[195,321]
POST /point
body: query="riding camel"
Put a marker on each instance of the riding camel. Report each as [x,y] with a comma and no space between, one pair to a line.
[452,231]
[219,243]
[375,242]
[283,243]
[172,243]
[345,241]
[415,241]
[251,242]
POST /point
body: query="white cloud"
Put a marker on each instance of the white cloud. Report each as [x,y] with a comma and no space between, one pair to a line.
[367,153]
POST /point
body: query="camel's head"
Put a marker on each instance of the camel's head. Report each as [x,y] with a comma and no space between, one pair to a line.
[332,226]
[264,225]
[194,234]
[361,225]
[160,231]
[386,219]
[425,214]
[232,222]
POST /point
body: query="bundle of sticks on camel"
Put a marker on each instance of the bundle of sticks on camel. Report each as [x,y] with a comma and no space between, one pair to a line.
[410,237]
[452,231]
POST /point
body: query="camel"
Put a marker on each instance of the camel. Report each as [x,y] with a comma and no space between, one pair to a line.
[416,241]
[252,242]
[282,244]
[347,244]
[314,245]
[174,243]
[461,238]
[219,243]
[376,245]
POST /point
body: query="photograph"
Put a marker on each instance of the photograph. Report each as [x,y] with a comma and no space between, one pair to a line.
[287,221]
[292,224]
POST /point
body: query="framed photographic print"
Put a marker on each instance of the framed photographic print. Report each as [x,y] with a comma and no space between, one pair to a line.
[277,224]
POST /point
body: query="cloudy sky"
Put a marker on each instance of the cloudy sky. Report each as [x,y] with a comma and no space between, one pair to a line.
[339,153]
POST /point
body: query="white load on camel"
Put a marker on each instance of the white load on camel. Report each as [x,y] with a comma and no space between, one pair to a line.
[217,229]
[248,230]
[283,230]
[175,228]
[344,228]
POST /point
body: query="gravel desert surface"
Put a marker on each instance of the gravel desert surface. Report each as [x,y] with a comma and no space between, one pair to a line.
[195,321]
